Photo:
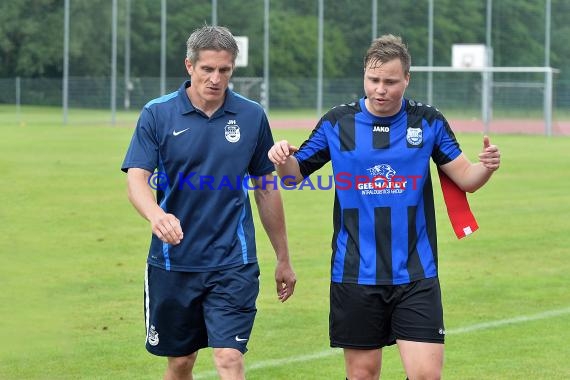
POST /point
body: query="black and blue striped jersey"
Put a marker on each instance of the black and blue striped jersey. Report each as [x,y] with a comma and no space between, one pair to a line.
[384,217]
[203,165]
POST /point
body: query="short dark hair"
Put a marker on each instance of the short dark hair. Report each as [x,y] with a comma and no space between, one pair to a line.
[211,37]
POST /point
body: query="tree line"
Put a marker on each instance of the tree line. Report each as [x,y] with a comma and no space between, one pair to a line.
[31,34]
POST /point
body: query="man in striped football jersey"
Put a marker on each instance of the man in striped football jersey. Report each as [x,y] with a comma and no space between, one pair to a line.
[384,281]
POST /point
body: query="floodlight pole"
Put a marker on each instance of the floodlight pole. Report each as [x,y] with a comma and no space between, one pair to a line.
[114,64]
[320,58]
[265,92]
[65,85]
[374,19]
[487,89]
[547,11]
[162,47]
[214,12]
[548,76]
[128,86]
[430,54]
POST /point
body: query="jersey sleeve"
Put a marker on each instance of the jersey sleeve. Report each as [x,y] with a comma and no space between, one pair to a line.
[143,149]
[446,147]
[314,153]
[260,164]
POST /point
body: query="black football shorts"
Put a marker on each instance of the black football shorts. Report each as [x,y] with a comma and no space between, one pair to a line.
[374,316]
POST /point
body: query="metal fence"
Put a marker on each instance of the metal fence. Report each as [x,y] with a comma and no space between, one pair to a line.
[519,92]
[513,94]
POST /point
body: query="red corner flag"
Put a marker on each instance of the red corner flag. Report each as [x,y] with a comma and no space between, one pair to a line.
[460,215]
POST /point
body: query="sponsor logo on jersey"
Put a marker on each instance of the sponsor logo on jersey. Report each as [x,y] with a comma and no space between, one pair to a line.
[384,170]
[384,180]
[232,131]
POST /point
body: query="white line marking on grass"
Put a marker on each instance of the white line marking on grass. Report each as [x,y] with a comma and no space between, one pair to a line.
[502,322]
[277,362]
[460,330]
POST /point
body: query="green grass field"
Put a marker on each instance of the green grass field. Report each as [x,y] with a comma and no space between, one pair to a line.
[73,255]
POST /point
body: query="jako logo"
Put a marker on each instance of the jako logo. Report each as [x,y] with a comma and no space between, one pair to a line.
[378,128]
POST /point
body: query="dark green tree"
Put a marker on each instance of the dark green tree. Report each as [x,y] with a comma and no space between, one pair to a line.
[30,38]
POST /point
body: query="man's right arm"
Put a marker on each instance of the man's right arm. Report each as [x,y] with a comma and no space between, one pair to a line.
[165,226]
[281,154]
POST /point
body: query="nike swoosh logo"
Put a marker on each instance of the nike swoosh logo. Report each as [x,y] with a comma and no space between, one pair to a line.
[238,339]
[176,133]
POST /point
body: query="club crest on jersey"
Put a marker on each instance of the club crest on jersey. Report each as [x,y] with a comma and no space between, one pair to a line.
[414,136]
[232,131]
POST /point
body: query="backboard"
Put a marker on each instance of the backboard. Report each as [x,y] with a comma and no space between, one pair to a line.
[469,56]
